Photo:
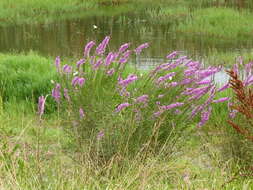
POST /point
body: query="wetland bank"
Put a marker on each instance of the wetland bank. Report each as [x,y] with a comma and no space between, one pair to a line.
[119,94]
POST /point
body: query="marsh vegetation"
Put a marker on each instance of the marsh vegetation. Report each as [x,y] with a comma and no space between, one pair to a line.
[124,94]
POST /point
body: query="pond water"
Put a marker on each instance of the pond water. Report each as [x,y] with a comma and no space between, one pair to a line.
[68,37]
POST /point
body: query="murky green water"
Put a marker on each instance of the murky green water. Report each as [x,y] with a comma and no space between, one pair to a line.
[68,37]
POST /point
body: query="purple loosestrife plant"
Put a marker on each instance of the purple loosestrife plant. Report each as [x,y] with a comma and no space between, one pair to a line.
[88,48]
[172,55]
[131,78]
[80,63]
[123,47]
[41,106]
[205,116]
[174,92]
[109,59]
[139,49]
[142,99]
[67,69]
[81,113]
[102,46]
[56,93]
[124,58]
[58,64]
[66,94]
[122,106]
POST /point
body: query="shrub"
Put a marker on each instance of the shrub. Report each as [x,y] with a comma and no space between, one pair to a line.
[114,109]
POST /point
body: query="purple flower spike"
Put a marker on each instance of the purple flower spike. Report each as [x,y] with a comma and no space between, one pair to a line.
[66,94]
[110,58]
[81,81]
[123,47]
[102,46]
[139,49]
[80,63]
[168,107]
[232,113]
[100,135]
[142,99]
[224,87]
[122,106]
[97,64]
[81,113]
[67,69]
[110,72]
[75,81]
[248,80]
[125,57]
[236,68]
[221,100]
[166,77]
[205,116]
[41,105]
[88,48]
[56,93]
[58,64]
[131,78]
[172,55]
[203,82]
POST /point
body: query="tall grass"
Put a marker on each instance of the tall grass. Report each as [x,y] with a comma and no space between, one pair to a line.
[25,76]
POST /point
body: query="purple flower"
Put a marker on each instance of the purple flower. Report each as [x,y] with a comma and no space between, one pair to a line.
[224,87]
[186,81]
[166,77]
[102,46]
[58,64]
[248,68]
[142,99]
[100,135]
[66,94]
[139,49]
[56,92]
[123,47]
[205,116]
[160,95]
[88,48]
[206,73]
[236,68]
[97,64]
[122,106]
[75,81]
[67,69]
[81,81]
[81,113]
[158,113]
[204,82]
[232,113]
[80,63]
[172,55]
[110,72]
[131,78]
[124,57]
[248,80]
[110,58]
[168,107]
[221,100]
[41,105]
[199,92]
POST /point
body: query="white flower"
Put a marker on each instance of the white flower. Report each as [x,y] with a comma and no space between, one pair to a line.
[95,27]
[75,73]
